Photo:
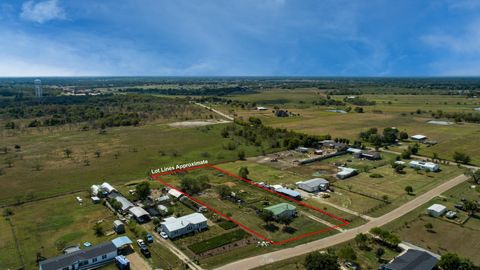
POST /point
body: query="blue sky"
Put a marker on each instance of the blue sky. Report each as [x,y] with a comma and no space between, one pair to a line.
[242,37]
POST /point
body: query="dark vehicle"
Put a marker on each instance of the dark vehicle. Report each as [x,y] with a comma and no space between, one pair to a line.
[144,250]
[149,238]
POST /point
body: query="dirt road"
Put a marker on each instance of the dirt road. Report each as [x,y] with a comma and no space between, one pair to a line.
[283,254]
[215,111]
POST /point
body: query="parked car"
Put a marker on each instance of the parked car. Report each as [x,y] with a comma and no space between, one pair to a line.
[149,238]
[351,265]
[144,250]
[163,235]
[141,243]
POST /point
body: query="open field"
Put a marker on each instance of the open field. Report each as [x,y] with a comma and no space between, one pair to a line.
[391,185]
[390,110]
[54,224]
[126,153]
[446,236]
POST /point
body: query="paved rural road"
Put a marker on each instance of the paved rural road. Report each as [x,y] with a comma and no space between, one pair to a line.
[215,111]
[283,254]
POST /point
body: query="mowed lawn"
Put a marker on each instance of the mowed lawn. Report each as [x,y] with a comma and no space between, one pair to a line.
[127,153]
[391,185]
[446,236]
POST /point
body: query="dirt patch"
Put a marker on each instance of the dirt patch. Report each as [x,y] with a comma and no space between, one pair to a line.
[240,243]
[230,184]
[188,124]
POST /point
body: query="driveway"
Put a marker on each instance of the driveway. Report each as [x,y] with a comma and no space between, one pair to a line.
[137,262]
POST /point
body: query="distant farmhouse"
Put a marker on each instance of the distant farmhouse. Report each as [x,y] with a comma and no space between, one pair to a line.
[176,227]
[282,210]
[89,258]
[418,138]
[427,166]
[314,185]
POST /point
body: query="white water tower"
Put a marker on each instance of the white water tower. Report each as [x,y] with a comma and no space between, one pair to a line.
[38,88]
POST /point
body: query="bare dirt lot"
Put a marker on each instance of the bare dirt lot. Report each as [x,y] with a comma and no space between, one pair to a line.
[188,124]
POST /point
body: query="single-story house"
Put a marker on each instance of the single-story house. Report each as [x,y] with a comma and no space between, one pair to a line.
[260,108]
[412,259]
[89,258]
[333,145]
[290,193]
[371,155]
[176,227]
[346,172]
[427,166]
[282,210]
[436,210]
[175,193]
[118,226]
[399,162]
[318,152]
[418,137]
[314,185]
[139,214]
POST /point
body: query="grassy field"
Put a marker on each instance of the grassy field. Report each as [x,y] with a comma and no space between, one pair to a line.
[391,185]
[390,110]
[127,153]
[53,224]
[446,236]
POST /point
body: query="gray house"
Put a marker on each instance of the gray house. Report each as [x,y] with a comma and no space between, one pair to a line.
[412,259]
[314,185]
[89,258]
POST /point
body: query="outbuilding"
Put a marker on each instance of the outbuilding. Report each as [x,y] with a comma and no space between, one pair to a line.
[175,193]
[118,226]
[107,188]
[139,214]
[290,193]
[418,137]
[436,210]
[346,172]
[314,185]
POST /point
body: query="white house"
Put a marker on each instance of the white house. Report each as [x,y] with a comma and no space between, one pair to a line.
[427,166]
[314,185]
[175,193]
[436,210]
[354,150]
[176,227]
[346,172]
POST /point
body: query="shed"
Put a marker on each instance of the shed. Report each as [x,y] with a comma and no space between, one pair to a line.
[346,172]
[290,193]
[436,210]
[94,189]
[354,150]
[302,149]
[162,209]
[95,199]
[175,193]
[139,214]
[118,226]
[418,137]
[122,242]
[314,185]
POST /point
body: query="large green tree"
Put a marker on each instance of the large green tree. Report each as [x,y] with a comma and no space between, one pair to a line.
[323,261]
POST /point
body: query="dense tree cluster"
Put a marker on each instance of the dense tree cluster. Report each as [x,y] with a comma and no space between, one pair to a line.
[97,111]
[192,185]
[359,101]
[469,117]
[328,102]
[388,136]
[203,91]
[254,132]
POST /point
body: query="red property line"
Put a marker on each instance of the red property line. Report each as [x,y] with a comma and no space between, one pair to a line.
[344,222]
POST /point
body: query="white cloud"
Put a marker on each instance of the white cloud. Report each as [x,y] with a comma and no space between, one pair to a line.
[42,11]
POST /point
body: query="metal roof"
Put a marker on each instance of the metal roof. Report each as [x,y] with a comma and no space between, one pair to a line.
[173,224]
[65,260]
[413,259]
[289,192]
[121,241]
[315,182]
[437,208]
[280,208]
[126,204]
[138,211]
